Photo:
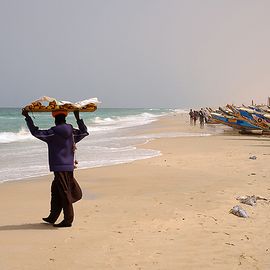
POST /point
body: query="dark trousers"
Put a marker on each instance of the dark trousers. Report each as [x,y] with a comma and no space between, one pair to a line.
[65,190]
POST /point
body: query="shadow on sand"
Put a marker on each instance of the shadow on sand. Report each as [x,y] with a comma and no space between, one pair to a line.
[27,226]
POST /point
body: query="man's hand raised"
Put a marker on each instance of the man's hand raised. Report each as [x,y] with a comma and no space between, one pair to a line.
[25,113]
[77,115]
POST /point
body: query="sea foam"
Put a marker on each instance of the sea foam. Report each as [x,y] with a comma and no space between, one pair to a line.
[10,137]
[112,123]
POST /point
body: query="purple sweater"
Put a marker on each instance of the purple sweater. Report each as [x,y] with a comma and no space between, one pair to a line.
[60,140]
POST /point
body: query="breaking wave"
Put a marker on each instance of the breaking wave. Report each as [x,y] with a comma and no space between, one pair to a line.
[10,137]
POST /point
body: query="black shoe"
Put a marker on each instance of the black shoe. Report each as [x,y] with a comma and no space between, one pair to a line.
[49,220]
[62,224]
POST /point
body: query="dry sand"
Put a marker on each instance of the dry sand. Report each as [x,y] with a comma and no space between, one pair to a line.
[169,212]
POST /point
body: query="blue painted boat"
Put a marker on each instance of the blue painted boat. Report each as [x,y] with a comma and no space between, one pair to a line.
[234,122]
[255,118]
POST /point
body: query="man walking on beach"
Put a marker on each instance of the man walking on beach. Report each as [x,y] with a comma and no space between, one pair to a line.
[191,116]
[61,141]
[201,117]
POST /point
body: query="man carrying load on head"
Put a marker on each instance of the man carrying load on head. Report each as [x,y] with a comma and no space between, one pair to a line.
[61,141]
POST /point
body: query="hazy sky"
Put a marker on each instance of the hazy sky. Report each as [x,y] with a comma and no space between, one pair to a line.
[135,53]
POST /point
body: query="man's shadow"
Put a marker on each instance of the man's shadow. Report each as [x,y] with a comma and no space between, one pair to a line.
[27,226]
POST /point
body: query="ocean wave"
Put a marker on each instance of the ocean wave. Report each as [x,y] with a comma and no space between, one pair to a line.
[10,137]
[6,117]
[112,123]
[181,111]
[99,124]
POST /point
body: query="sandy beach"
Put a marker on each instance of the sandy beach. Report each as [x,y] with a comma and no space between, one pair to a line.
[165,213]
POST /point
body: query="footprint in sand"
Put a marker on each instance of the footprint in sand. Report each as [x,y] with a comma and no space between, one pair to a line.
[243,259]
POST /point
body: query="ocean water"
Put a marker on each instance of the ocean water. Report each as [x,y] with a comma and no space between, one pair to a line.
[111,140]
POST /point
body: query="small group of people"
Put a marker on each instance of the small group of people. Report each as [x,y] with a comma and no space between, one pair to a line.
[195,115]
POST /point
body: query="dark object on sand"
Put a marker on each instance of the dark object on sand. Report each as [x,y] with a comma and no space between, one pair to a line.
[250,200]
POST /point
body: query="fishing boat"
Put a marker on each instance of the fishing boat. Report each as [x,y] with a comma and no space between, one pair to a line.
[233,122]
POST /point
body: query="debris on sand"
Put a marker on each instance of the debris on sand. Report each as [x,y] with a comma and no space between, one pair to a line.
[261,198]
[250,200]
[239,211]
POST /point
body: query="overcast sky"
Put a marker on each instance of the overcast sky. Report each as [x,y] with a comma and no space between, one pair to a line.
[135,53]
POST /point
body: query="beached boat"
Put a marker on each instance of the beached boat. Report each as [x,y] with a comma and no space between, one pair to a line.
[233,122]
[256,118]
[247,119]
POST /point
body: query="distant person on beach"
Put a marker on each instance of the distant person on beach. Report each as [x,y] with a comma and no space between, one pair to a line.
[191,116]
[61,140]
[195,117]
[201,118]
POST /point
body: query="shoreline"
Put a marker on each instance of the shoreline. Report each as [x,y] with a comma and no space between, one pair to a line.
[166,212]
[107,143]
[138,130]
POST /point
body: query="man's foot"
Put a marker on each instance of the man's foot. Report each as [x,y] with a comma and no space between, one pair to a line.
[49,220]
[62,224]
